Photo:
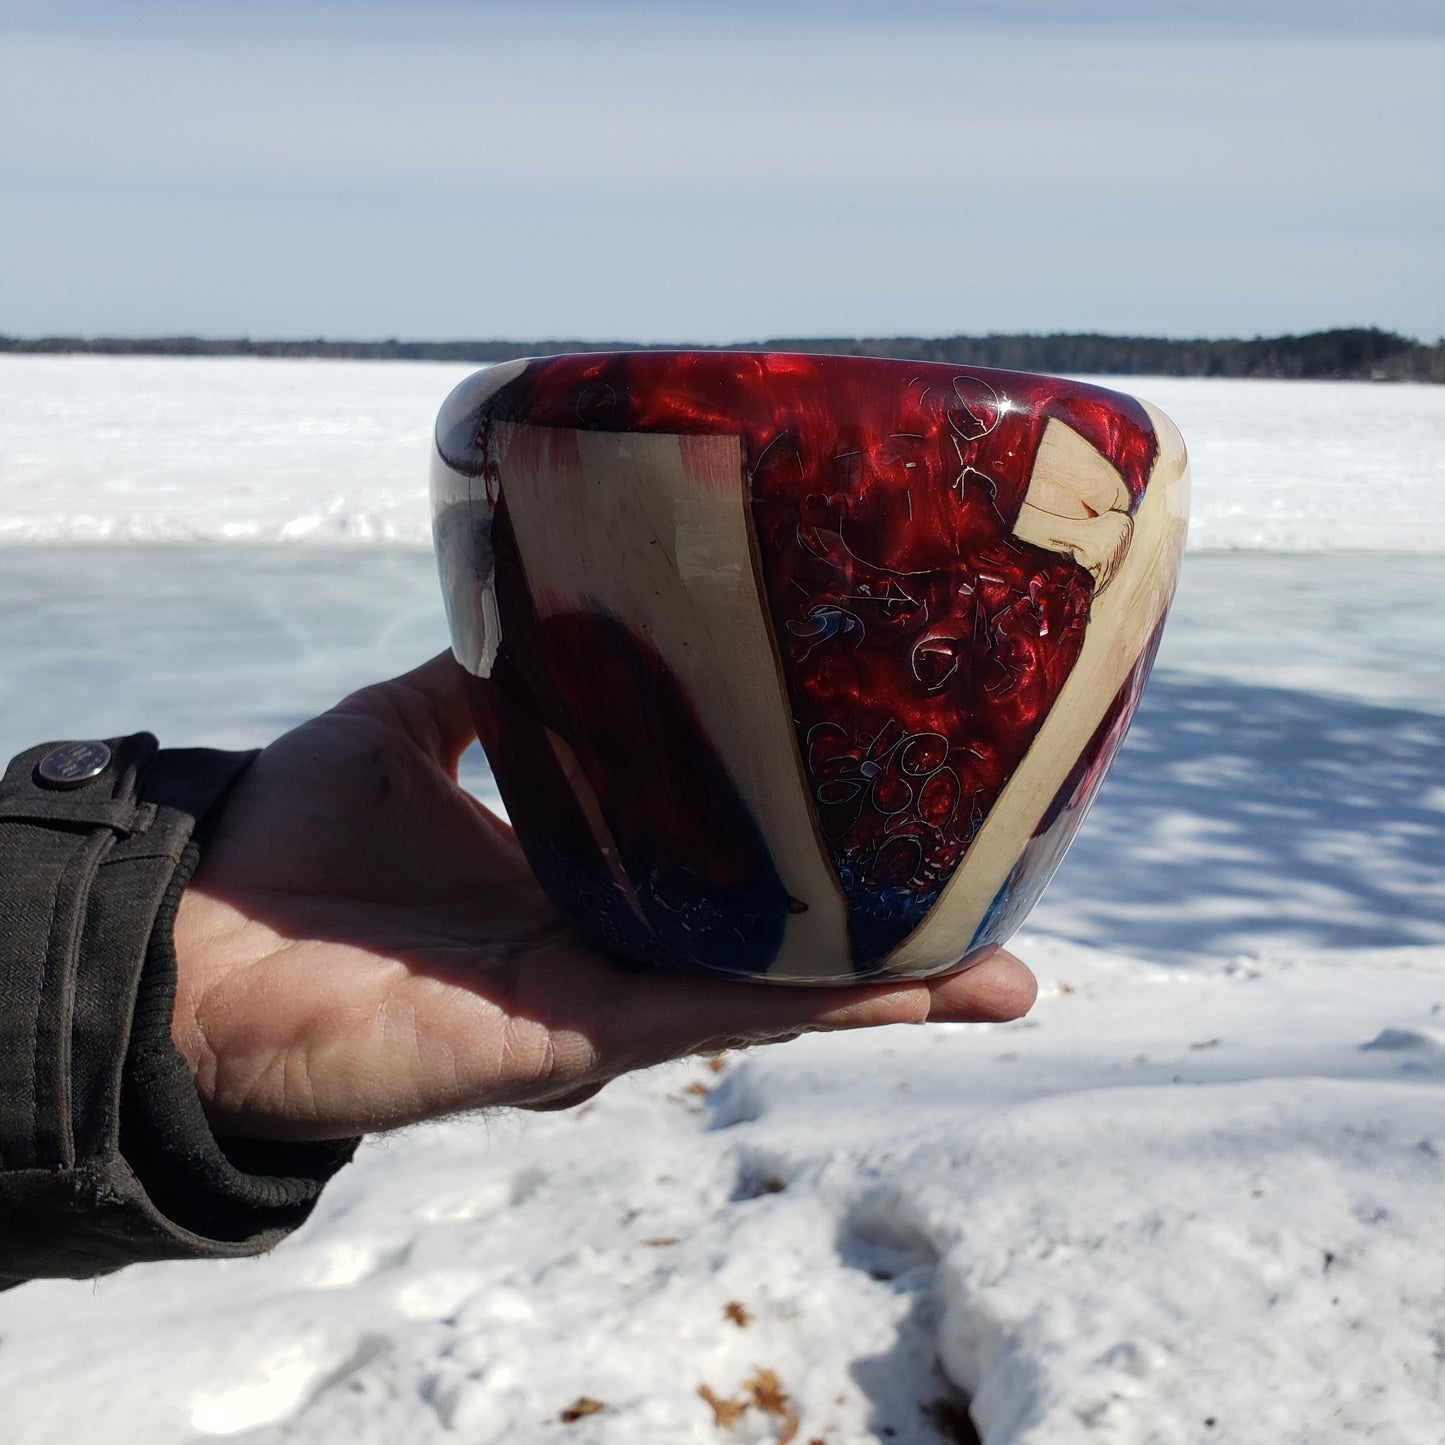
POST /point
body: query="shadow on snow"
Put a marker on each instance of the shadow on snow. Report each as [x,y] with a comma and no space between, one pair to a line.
[1245,819]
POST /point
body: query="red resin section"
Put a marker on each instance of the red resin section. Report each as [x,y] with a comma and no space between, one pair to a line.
[922,643]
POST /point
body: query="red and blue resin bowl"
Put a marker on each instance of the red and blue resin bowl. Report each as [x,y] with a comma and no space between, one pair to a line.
[800,668]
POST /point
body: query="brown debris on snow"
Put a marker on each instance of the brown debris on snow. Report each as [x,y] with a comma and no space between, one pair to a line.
[725,1413]
[764,1392]
[583,1405]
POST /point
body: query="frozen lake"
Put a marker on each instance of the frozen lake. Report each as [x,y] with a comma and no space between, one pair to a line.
[1194,1196]
[235,449]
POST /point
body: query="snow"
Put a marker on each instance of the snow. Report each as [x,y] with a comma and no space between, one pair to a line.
[170,449]
[150,449]
[1194,1196]
[1170,1196]
[1296,466]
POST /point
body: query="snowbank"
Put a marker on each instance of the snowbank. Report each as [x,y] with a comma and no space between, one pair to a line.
[1172,1205]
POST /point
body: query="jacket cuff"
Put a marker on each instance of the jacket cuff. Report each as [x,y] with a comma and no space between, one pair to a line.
[105,1155]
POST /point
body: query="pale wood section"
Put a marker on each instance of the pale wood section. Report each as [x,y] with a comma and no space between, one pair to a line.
[1071,478]
[1076,503]
[1121,621]
[654,530]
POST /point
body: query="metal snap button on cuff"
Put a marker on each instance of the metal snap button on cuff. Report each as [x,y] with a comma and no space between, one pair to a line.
[72,765]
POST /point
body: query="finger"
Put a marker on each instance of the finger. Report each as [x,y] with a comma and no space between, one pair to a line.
[666,1016]
[997,988]
[436,688]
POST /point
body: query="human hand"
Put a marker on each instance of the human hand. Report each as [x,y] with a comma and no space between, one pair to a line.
[364,946]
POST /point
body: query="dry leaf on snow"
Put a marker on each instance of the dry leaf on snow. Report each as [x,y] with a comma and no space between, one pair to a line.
[767,1393]
[764,1392]
[725,1413]
[582,1405]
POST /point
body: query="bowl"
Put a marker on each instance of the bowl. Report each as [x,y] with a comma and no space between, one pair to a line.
[800,668]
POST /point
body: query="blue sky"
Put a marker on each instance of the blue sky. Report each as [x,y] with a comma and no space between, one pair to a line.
[720,172]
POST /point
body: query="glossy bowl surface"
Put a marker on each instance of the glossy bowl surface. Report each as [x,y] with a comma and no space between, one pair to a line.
[800,668]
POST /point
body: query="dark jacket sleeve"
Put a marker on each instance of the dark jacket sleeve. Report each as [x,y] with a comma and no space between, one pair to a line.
[105,1155]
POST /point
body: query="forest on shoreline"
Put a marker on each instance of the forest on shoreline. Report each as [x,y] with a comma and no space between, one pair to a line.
[1350,354]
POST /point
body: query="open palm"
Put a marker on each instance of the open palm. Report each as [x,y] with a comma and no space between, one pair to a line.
[364,946]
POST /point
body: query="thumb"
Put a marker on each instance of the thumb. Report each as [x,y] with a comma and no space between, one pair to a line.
[430,702]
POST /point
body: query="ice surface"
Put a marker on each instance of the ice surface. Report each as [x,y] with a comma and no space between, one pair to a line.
[205,646]
[97,448]
[1283,784]
[1194,1197]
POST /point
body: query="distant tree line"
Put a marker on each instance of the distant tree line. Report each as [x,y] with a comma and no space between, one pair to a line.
[1353,354]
